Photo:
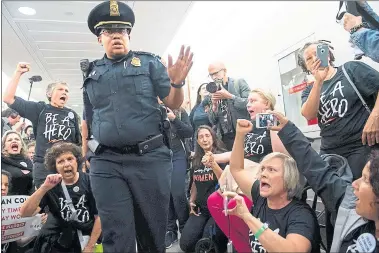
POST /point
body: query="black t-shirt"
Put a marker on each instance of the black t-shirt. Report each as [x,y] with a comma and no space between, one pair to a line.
[9,247]
[295,218]
[205,181]
[20,168]
[82,199]
[341,115]
[348,244]
[257,144]
[51,123]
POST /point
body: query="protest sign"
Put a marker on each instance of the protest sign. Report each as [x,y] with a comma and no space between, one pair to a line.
[14,227]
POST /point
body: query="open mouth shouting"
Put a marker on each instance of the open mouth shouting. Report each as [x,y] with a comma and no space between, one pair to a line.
[264,186]
[15,148]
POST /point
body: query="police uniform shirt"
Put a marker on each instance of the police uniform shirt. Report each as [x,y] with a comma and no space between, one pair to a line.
[123,95]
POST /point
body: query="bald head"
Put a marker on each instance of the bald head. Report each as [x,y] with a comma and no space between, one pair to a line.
[216,66]
[217,70]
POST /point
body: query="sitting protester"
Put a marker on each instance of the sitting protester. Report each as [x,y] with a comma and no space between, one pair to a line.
[279,221]
[260,141]
[71,223]
[31,147]
[233,227]
[353,205]
[205,173]
[25,243]
[14,159]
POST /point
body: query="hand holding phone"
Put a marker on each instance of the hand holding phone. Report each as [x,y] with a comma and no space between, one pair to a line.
[322,53]
[265,120]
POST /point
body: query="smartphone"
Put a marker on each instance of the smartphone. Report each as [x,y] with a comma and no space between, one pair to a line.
[264,120]
[323,54]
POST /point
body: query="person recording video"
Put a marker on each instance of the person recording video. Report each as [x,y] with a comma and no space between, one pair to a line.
[228,101]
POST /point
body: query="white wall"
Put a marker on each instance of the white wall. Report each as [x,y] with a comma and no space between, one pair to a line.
[249,36]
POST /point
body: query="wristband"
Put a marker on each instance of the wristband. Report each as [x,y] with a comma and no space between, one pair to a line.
[178,86]
[261,230]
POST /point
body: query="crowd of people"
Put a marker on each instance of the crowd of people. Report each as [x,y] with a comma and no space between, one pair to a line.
[137,170]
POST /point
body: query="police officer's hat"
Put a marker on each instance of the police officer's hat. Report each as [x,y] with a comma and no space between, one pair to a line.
[110,14]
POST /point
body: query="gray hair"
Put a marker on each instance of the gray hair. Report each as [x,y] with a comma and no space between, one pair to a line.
[50,88]
[294,182]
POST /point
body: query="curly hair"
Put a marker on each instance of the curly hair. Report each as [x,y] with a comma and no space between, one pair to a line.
[300,56]
[374,171]
[59,149]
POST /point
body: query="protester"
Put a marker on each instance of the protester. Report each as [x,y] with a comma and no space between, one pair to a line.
[278,219]
[14,159]
[71,223]
[353,205]
[51,122]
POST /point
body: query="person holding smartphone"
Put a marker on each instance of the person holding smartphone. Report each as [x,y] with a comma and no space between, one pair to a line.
[348,128]
[260,141]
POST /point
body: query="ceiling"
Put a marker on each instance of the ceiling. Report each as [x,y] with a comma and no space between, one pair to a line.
[57,37]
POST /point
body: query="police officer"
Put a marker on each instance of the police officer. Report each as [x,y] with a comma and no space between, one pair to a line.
[131,169]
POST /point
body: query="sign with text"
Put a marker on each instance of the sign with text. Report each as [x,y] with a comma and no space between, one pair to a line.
[13,227]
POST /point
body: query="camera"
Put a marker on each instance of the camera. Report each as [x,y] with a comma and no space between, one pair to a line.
[212,87]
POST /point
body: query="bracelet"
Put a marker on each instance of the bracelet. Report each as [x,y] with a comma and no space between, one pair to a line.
[261,230]
[178,86]
[356,28]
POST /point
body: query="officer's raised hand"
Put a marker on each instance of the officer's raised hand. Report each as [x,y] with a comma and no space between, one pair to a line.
[178,72]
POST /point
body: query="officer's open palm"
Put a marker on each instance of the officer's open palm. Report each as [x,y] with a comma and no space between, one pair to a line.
[179,71]
[51,181]
[244,126]
[22,67]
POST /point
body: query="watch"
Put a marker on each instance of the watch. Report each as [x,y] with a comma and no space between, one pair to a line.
[178,86]
[357,27]
[261,230]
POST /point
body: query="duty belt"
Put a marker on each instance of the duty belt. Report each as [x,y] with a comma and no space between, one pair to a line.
[141,148]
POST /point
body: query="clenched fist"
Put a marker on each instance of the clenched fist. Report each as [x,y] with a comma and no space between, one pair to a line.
[22,67]
[51,181]
[244,126]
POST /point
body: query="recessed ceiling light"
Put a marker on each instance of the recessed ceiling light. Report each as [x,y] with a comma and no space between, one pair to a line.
[27,11]
[75,105]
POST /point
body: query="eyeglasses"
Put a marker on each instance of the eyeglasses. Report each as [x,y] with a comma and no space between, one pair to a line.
[108,32]
[211,75]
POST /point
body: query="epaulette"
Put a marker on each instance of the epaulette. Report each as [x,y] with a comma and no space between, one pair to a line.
[147,53]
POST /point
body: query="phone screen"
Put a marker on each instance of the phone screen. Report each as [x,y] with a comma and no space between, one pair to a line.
[264,120]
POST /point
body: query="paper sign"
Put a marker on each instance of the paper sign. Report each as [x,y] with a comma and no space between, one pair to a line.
[13,227]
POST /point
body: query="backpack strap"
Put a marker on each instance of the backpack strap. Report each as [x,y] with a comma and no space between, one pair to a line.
[355,89]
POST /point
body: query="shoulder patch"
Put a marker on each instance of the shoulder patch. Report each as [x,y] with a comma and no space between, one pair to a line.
[145,53]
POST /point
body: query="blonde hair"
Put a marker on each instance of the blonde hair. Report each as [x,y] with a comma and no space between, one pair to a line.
[267,96]
[3,140]
[294,182]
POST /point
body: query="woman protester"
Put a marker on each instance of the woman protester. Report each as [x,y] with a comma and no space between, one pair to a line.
[75,227]
[353,204]
[278,220]
[14,159]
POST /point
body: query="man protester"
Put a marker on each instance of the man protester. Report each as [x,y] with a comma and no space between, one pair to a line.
[228,103]
[10,118]
[131,166]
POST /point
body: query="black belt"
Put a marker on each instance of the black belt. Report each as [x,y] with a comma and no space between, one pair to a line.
[140,148]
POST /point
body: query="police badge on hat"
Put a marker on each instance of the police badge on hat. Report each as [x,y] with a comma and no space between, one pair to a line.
[113,8]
